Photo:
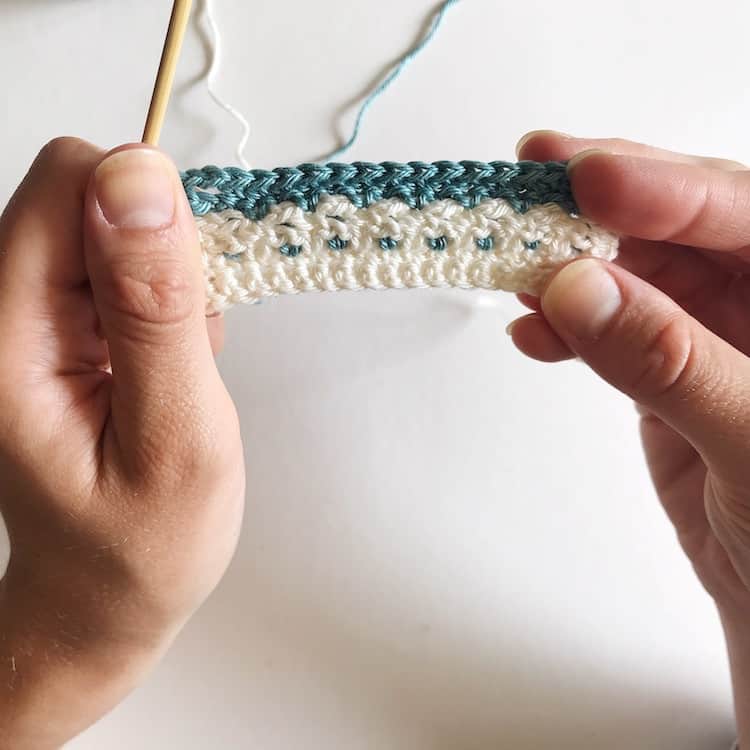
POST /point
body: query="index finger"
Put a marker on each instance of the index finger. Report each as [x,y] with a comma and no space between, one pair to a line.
[43,223]
[549,145]
[653,199]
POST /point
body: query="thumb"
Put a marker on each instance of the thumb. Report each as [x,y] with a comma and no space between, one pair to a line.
[144,264]
[644,344]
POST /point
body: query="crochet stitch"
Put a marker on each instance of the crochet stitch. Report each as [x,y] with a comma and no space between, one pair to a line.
[494,225]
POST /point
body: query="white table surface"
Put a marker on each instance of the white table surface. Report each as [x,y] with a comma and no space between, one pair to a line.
[446,547]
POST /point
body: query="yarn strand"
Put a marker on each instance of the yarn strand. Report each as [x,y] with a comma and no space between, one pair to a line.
[216,55]
[390,77]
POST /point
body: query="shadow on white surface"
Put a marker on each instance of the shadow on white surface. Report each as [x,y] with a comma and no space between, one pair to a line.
[446,688]
[367,333]
[448,601]
[256,670]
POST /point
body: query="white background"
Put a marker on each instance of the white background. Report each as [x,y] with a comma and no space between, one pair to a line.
[446,547]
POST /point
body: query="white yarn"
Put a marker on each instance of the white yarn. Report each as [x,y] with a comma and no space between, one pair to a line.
[216,56]
[243,259]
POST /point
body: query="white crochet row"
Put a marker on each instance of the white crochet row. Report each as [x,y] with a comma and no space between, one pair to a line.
[389,245]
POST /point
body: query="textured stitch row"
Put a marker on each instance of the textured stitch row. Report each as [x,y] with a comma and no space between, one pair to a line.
[390,245]
[255,192]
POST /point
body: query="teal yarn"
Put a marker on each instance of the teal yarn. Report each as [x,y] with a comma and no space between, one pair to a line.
[390,78]
[253,193]
[438,243]
[336,243]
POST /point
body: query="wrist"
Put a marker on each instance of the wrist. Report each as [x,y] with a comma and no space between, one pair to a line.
[736,625]
[59,674]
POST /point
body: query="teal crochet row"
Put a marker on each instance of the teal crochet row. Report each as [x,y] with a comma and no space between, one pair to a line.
[253,193]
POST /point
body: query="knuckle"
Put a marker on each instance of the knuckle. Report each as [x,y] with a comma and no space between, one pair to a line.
[210,453]
[152,290]
[727,505]
[670,367]
[722,218]
[185,451]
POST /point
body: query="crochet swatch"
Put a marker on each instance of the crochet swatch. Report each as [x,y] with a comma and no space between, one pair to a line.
[495,225]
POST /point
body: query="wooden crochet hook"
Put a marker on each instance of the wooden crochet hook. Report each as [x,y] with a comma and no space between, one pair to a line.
[167,67]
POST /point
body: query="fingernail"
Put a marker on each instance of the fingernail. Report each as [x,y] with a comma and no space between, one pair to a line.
[509,328]
[574,161]
[135,189]
[582,299]
[534,133]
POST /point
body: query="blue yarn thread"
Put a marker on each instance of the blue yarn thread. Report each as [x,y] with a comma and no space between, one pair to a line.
[255,192]
[390,78]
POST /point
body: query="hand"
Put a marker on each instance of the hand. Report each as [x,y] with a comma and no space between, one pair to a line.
[669,326]
[121,465]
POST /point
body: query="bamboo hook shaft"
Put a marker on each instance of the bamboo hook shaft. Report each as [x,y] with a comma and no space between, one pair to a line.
[165,77]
